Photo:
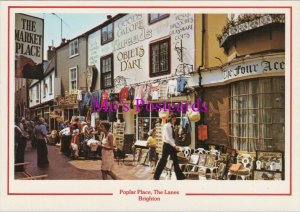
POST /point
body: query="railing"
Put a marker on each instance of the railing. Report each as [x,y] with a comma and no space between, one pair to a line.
[250,25]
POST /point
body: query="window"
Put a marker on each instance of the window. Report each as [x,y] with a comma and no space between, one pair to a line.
[107,34]
[44,88]
[37,93]
[152,18]
[50,85]
[73,48]
[31,94]
[73,79]
[257,114]
[147,120]
[107,72]
[160,58]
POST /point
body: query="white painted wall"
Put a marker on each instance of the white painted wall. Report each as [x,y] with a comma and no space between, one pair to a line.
[133,35]
[56,90]
[33,98]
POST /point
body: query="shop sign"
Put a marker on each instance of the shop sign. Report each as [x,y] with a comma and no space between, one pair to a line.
[29,42]
[69,99]
[131,45]
[263,66]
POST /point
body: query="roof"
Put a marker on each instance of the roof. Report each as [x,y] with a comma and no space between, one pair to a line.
[48,67]
[108,21]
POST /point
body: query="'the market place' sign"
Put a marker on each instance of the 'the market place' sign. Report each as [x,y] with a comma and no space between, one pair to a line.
[29,42]
[253,68]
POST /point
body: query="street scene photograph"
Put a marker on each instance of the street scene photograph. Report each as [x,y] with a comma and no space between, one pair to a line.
[149,96]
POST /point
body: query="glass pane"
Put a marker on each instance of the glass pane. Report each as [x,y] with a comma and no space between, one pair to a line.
[278,131]
[104,34]
[107,80]
[153,17]
[234,103]
[143,128]
[244,116]
[234,89]
[266,100]
[277,145]
[265,85]
[110,31]
[278,84]
[278,116]
[243,103]
[235,129]
[235,116]
[243,130]
[253,116]
[253,101]
[155,58]
[278,100]
[243,87]
[164,52]
[265,116]
[265,131]
[253,87]
[253,130]
[243,144]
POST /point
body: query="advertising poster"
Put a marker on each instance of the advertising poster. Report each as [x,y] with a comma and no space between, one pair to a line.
[149,106]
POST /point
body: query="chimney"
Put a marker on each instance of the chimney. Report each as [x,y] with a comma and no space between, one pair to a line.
[50,53]
[109,16]
[63,40]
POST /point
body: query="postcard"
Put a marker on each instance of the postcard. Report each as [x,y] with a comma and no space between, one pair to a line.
[139,106]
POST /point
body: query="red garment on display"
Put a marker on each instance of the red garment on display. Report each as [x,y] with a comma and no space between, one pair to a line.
[124,93]
[202,132]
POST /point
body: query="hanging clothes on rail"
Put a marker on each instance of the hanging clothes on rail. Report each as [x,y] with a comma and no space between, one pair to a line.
[181,84]
[154,91]
[131,93]
[163,88]
[172,88]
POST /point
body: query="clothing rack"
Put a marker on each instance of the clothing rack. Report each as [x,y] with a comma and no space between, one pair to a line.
[173,76]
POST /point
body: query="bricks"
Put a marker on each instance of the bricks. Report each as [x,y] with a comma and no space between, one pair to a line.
[217,117]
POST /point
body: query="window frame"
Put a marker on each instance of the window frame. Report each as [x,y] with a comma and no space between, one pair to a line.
[50,84]
[260,124]
[102,83]
[160,42]
[70,78]
[37,92]
[150,21]
[44,88]
[108,39]
[72,45]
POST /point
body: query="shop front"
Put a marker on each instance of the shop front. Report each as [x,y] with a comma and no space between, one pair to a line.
[246,101]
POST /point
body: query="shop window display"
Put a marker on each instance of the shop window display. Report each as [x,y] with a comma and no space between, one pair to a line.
[257,114]
[145,120]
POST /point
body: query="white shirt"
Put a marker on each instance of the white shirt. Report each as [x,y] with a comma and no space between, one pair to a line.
[167,134]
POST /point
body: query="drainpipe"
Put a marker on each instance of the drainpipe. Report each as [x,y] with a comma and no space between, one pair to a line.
[201,66]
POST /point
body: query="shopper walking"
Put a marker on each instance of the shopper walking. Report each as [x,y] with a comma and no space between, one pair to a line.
[107,152]
[40,131]
[169,148]
[20,145]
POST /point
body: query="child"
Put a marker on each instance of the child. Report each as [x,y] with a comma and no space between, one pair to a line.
[151,143]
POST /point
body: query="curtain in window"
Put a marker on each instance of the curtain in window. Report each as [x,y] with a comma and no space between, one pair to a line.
[257,114]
